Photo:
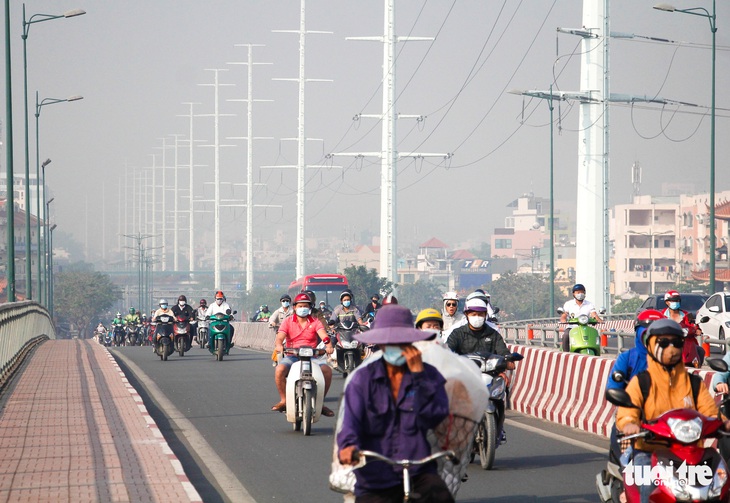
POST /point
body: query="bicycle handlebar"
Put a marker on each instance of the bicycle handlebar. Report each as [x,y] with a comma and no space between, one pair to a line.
[409,462]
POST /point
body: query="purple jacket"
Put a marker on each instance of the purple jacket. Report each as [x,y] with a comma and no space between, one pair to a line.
[373,421]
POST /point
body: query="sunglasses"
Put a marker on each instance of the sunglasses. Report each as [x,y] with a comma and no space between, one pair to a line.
[664,343]
[451,304]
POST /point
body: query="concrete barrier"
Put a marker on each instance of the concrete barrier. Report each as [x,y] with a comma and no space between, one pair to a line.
[567,388]
[253,335]
[564,388]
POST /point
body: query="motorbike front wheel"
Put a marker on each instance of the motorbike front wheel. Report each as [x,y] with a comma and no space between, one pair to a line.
[164,353]
[220,349]
[487,438]
[308,412]
[180,346]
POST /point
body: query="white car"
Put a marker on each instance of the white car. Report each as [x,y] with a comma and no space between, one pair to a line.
[717,309]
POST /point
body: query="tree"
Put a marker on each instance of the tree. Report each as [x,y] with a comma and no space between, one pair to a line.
[524,296]
[420,295]
[81,294]
[365,282]
[627,306]
[249,303]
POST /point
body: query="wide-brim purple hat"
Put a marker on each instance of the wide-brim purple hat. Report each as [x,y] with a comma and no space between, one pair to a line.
[393,325]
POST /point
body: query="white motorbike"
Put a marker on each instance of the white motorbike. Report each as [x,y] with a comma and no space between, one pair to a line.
[304,389]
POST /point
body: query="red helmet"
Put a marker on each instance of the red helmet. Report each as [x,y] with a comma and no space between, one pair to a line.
[219,295]
[671,295]
[302,297]
[644,318]
[389,299]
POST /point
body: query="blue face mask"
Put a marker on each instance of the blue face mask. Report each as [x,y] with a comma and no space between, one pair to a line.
[674,306]
[285,303]
[394,355]
[303,311]
[346,303]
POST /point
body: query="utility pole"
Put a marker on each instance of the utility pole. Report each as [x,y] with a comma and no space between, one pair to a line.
[302,32]
[191,165]
[164,203]
[175,227]
[388,154]
[216,177]
[249,158]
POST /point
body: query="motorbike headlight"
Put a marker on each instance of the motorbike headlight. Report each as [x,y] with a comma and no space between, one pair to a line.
[583,319]
[306,352]
[718,480]
[349,345]
[727,324]
[490,364]
[497,388]
[686,431]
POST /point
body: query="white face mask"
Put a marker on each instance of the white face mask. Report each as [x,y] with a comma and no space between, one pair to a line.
[580,296]
[219,301]
[181,303]
[476,321]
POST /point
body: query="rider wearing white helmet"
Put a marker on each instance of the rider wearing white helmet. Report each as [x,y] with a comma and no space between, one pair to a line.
[451,312]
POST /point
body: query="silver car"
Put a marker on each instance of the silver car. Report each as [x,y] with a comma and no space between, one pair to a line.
[717,309]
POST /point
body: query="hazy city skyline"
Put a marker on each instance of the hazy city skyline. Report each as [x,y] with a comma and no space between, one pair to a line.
[136,62]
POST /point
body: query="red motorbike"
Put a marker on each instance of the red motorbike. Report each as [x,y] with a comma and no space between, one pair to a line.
[684,470]
[181,333]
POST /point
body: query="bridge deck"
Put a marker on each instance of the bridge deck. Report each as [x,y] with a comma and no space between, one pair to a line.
[73,429]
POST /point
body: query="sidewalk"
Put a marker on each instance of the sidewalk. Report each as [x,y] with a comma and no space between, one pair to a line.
[73,429]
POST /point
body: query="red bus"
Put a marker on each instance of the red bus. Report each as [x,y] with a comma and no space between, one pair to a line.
[326,287]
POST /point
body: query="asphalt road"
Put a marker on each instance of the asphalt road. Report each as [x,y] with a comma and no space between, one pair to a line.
[219,411]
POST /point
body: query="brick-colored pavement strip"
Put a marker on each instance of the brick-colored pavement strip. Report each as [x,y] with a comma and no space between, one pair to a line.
[73,429]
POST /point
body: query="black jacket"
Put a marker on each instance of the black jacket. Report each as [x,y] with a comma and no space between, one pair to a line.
[187,310]
[463,340]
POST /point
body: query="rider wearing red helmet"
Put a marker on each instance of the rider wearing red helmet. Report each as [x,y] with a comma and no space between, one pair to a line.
[220,306]
[300,330]
[693,354]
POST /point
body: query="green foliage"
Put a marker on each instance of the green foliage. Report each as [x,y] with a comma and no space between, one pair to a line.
[365,282]
[248,303]
[627,306]
[691,286]
[524,296]
[81,294]
[420,295]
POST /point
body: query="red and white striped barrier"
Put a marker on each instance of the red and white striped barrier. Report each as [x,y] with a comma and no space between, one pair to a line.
[567,388]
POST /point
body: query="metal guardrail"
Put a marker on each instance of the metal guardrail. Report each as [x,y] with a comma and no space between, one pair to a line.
[22,325]
[548,332]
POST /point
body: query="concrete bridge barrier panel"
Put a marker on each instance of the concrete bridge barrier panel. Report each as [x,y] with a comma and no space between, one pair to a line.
[567,388]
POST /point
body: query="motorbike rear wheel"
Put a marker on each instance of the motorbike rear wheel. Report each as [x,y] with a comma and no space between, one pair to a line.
[164,353]
[308,412]
[180,346]
[487,435]
[297,424]
[220,349]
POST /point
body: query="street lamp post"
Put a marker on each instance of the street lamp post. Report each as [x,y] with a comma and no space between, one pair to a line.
[46,248]
[712,18]
[50,273]
[26,31]
[38,106]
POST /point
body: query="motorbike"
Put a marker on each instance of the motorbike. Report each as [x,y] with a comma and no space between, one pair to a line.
[680,430]
[108,339]
[304,389]
[348,350]
[489,434]
[118,334]
[202,332]
[181,332]
[584,338]
[163,336]
[219,333]
[133,334]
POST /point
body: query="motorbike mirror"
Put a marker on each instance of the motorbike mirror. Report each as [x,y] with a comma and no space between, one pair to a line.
[717,364]
[560,310]
[704,319]
[619,397]
[331,322]
[602,310]
[496,310]
[234,312]
[515,357]
[618,377]
[228,311]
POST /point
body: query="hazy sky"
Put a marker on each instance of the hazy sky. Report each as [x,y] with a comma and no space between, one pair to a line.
[135,62]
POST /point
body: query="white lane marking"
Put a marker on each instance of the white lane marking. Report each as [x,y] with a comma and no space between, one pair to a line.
[555,436]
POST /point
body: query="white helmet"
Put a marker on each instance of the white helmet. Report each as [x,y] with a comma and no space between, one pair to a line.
[451,296]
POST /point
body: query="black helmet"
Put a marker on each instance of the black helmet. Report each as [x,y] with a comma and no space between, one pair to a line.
[203,302]
[285,297]
[346,293]
[578,286]
[311,295]
[182,298]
